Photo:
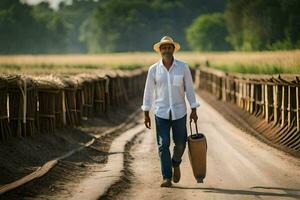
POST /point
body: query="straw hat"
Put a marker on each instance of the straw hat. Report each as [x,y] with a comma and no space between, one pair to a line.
[166,40]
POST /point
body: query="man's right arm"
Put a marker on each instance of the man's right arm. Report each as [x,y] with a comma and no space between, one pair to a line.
[148,97]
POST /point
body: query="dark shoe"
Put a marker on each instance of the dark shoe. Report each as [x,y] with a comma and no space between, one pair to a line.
[166,183]
[176,174]
[199,180]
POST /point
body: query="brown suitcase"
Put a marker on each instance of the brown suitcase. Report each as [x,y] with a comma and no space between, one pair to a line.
[197,146]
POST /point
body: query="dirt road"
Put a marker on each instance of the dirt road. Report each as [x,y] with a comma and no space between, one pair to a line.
[238,167]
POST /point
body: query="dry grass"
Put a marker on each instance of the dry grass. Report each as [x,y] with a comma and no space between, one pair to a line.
[245,62]
[257,62]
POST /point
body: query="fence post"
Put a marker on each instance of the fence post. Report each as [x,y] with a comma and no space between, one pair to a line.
[229,89]
[256,99]
[219,87]
[266,103]
[248,97]
[64,108]
[243,96]
[263,100]
[289,106]
[251,97]
[224,85]
[275,102]
[240,94]
[214,85]
[107,95]
[297,107]
[197,78]
[282,107]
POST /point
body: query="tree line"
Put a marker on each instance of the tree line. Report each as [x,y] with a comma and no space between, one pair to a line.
[88,26]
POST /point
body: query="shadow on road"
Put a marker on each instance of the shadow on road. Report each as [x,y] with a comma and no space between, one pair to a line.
[246,192]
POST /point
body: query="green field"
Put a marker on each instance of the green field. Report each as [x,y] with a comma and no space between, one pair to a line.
[272,62]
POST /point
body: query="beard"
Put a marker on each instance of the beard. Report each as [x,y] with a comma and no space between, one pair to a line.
[167,55]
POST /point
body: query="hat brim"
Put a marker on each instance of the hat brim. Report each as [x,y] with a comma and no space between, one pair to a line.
[157,45]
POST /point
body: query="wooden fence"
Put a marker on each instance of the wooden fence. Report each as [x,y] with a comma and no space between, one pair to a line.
[273,100]
[37,105]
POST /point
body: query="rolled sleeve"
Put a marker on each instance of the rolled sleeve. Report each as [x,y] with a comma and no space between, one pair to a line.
[195,105]
[145,108]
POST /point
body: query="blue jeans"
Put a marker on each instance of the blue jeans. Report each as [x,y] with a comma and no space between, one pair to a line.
[179,131]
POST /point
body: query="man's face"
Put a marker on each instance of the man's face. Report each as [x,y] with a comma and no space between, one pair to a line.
[166,51]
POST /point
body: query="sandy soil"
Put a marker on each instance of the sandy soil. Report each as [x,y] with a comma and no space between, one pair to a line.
[238,167]
[20,157]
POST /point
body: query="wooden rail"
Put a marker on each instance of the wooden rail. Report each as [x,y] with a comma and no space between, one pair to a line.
[31,105]
[273,99]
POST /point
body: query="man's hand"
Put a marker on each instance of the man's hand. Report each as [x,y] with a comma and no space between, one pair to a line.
[147,121]
[193,115]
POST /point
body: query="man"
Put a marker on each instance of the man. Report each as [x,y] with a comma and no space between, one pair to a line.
[170,80]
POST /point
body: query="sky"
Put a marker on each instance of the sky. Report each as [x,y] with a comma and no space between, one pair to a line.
[53,3]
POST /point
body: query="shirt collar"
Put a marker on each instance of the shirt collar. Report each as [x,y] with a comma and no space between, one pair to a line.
[161,64]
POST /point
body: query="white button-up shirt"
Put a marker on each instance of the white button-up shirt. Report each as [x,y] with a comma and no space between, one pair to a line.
[170,87]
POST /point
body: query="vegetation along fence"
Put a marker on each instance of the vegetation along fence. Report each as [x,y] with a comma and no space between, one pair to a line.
[30,105]
[274,100]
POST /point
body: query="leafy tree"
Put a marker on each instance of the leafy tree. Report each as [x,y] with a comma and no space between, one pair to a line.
[97,26]
[26,29]
[263,24]
[208,33]
[15,23]
[74,15]
[117,25]
[51,29]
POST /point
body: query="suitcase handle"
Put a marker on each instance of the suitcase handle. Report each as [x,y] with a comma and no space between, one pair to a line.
[196,128]
[197,133]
